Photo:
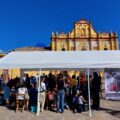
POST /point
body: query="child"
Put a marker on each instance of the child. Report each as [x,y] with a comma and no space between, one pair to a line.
[80,102]
[75,102]
[51,98]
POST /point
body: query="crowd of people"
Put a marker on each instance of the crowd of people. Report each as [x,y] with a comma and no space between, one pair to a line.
[56,92]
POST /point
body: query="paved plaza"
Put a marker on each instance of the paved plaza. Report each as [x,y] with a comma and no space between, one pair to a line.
[110,110]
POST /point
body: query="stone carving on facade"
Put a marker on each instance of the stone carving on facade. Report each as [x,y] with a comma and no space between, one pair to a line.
[83,34]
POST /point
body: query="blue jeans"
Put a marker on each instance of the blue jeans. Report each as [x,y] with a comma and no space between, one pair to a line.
[60,100]
[80,108]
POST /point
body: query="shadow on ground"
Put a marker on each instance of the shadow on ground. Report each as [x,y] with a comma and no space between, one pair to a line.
[115,113]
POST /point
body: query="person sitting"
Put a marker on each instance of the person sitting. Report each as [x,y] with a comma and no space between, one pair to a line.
[23,94]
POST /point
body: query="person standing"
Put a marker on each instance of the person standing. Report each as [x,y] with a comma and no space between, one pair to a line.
[42,94]
[1,79]
[6,90]
[95,87]
[27,81]
[60,93]
[73,81]
[33,95]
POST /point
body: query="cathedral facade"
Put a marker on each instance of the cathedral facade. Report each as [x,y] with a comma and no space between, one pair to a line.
[84,37]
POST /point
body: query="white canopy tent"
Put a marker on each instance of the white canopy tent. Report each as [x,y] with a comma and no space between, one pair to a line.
[61,60]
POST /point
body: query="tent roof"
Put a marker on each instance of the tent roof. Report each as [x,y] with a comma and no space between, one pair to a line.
[61,59]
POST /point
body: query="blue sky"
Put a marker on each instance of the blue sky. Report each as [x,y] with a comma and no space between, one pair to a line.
[28,22]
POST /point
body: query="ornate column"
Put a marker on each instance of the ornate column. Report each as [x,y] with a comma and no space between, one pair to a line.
[53,42]
[116,42]
[68,42]
[98,39]
[74,39]
[89,29]
[112,41]
[56,35]
[74,44]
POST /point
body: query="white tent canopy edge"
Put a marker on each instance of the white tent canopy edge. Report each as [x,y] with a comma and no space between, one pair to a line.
[61,60]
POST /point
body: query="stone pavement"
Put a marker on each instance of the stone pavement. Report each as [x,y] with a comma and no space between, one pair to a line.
[110,110]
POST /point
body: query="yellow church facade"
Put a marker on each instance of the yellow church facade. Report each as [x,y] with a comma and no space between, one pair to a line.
[84,37]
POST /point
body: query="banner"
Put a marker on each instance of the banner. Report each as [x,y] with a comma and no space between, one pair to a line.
[112,84]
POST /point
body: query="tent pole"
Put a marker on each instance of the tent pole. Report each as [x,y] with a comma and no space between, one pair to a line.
[38,95]
[89,93]
[21,76]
